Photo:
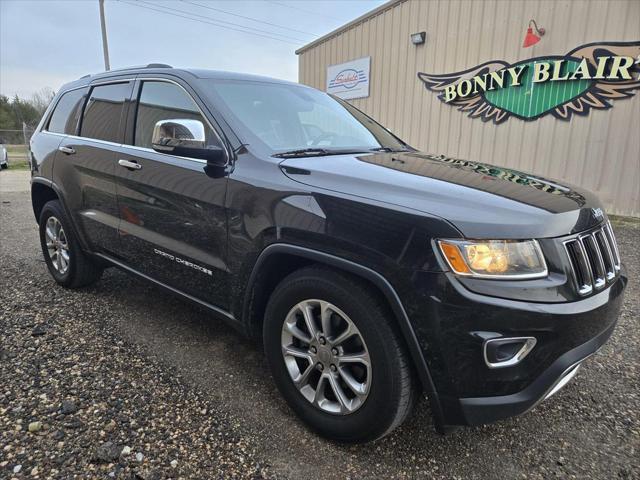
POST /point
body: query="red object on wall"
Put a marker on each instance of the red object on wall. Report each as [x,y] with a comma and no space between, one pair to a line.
[530,38]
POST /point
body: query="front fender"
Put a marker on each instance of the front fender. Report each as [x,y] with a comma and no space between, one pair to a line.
[379,282]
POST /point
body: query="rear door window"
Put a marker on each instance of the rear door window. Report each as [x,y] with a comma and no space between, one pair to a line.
[103,112]
[64,118]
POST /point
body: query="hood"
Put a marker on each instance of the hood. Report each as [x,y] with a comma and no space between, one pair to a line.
[481,200]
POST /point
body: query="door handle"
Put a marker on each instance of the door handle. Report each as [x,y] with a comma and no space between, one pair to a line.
[129,164]
[67,150]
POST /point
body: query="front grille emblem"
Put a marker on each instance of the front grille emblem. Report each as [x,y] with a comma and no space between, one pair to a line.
[598,213]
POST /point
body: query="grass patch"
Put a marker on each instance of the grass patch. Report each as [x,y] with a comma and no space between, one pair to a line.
[17,156]
[18,165]
[16,152]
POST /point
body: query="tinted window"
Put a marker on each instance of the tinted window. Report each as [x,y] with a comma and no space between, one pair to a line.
[64,118]
[165,101]
[103,112]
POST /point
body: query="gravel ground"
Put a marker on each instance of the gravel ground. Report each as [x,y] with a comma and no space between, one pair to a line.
[121,380]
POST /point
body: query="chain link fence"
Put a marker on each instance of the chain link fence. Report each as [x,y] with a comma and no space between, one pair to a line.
[17,143]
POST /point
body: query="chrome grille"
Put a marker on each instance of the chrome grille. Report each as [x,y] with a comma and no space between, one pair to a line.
[594,258]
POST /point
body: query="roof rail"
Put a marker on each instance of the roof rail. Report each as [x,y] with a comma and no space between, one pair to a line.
[134,67]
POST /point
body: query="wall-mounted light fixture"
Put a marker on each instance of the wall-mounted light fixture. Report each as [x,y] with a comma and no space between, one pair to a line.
[531,38]
[418,38]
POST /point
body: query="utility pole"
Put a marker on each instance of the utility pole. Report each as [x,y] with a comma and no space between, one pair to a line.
[105,45]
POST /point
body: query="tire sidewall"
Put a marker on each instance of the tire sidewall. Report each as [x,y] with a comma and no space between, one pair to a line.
[54,209]
[373,418]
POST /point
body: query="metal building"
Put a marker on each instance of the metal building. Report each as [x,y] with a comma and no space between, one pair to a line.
[599,150]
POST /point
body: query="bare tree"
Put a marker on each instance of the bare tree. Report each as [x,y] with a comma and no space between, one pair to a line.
[42,98]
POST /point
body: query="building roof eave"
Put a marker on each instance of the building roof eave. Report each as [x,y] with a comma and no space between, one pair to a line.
[351,24]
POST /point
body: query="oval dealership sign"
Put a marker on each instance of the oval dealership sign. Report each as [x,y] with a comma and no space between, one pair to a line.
[587,77]
[349,80]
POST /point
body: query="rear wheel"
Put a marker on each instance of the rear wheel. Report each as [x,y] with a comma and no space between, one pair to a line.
[335,357]
[67,263]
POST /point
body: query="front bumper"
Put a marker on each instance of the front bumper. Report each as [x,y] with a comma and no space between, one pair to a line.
[451,323]
[481,410]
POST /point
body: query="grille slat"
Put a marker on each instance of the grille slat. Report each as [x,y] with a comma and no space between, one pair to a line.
[607,254]
[580,265]
[608,231]
[594,259]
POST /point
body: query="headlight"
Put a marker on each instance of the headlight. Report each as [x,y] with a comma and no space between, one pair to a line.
[509,259]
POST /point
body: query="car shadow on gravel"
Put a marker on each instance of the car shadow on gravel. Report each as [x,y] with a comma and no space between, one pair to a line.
[229,367]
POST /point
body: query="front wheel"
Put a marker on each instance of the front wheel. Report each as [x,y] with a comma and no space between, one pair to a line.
[336,357]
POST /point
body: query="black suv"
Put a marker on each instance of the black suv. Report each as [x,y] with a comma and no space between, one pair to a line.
[371,272]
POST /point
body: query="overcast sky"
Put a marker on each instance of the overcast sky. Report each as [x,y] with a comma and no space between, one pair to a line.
[45,43]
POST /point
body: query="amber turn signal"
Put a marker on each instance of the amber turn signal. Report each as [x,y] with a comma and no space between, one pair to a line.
[454,257]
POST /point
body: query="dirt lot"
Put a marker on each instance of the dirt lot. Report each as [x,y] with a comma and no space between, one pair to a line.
[123,366]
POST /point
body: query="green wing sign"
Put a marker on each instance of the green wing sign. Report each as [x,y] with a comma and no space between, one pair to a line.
[587,77]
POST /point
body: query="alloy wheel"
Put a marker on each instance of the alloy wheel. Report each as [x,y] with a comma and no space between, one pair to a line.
[326,357]
[57,245]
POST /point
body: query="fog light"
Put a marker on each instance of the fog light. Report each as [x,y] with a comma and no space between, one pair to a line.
[507,351]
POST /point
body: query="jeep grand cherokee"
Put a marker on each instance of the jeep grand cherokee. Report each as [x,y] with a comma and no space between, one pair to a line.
[372,272]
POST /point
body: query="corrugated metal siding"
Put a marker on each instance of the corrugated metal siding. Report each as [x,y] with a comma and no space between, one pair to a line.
[600,152]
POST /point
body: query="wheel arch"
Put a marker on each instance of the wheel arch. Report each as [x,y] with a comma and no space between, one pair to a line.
[261,283]
[44,190]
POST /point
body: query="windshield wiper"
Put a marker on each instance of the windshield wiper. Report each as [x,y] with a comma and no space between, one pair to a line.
[316,152]
[387,149]
[302,152]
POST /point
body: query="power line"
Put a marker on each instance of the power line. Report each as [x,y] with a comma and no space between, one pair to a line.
[250,18]
[305,11]
[220,21]
[137,4]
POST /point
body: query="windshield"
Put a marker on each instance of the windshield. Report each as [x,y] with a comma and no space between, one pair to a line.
[285,118]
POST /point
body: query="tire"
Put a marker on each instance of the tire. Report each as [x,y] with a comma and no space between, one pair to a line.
[4,166]
[80,270]
[390,383]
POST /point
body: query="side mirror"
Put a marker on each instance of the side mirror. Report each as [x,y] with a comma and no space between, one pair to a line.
[186,138]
